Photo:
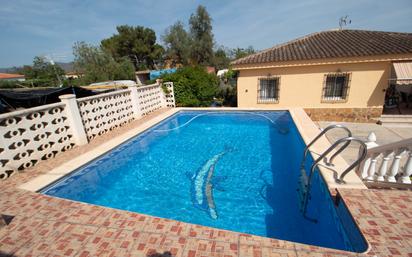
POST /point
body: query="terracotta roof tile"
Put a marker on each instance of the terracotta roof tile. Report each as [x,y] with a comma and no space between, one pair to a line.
[10,76]
[334,44]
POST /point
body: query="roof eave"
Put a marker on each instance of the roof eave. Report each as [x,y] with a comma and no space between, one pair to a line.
[325,61]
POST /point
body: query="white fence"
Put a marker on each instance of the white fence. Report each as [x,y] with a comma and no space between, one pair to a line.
[103,113]
[35,134]
[384,163]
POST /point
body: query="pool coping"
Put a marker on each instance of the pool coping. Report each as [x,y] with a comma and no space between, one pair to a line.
[306,127]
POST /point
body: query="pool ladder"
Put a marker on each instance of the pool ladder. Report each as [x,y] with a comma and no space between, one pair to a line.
[305,182]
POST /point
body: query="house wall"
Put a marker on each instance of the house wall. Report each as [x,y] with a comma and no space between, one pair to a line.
[301,86]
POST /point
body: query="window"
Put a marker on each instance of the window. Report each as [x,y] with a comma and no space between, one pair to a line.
[336,87]
[268,90]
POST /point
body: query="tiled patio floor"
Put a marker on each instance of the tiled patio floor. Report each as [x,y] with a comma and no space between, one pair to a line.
[384,135]
[48,226]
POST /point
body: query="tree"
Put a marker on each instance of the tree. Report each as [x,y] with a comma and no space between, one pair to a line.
[193,86]
[242,52]
[27,71]
[43,70]
[221,59]
[97,65]
[177,43]
[136,43]
[202,37]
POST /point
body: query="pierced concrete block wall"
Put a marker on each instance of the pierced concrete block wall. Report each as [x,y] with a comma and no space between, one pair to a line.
[39,133]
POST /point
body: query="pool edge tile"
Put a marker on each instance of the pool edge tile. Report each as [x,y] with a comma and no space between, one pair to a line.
[66,168]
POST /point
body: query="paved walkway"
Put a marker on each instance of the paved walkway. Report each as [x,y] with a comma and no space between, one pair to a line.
[384,135]
[46,226]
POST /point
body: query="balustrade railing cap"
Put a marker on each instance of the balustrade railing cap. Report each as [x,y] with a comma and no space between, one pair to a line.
[371,141]
[371,137]
[67,96]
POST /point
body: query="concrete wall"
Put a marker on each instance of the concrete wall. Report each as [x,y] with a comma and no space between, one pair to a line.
[301,86]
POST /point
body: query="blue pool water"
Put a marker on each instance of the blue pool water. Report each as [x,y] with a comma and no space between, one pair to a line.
[231,170]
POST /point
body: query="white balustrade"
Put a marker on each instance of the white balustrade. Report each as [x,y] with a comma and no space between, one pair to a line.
[32,135]
[395,165]
[370,142]
[372,169]
[384,166]
[389,158]
[407,173]
[40,133]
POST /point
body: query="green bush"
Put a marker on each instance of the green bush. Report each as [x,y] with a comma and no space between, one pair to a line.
[8,84]
[228,94]
[193,86]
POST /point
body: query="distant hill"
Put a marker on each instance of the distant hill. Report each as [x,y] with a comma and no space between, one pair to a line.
[66,66]
[8,70]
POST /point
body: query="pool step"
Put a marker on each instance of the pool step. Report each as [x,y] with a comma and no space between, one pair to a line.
[396,120]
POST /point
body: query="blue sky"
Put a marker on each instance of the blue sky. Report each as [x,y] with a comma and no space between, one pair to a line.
[50,27]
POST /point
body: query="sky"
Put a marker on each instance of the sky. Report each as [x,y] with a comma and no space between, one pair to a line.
[50,27]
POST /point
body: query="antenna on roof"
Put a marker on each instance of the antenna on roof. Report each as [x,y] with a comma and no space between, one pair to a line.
[344,21]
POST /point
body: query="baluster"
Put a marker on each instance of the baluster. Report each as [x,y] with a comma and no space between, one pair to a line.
[384,165]
[372,167]
[365,167]
[395,165]
[370,143]
[407,170]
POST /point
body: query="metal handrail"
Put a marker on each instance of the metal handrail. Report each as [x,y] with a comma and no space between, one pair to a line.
[333,126]
[361,157]
[340,180]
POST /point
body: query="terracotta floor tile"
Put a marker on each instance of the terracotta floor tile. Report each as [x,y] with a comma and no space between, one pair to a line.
[265,242]
[9,244]
[202,232]
[108,240]
[167,227]
[122,219]
[150,243]
[258,251]
[201,247]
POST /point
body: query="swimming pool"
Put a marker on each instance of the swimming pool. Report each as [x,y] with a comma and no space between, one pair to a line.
[231,170]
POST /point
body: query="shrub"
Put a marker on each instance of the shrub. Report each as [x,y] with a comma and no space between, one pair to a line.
[228,94]
[29,83]
[8,84]
[193,86]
